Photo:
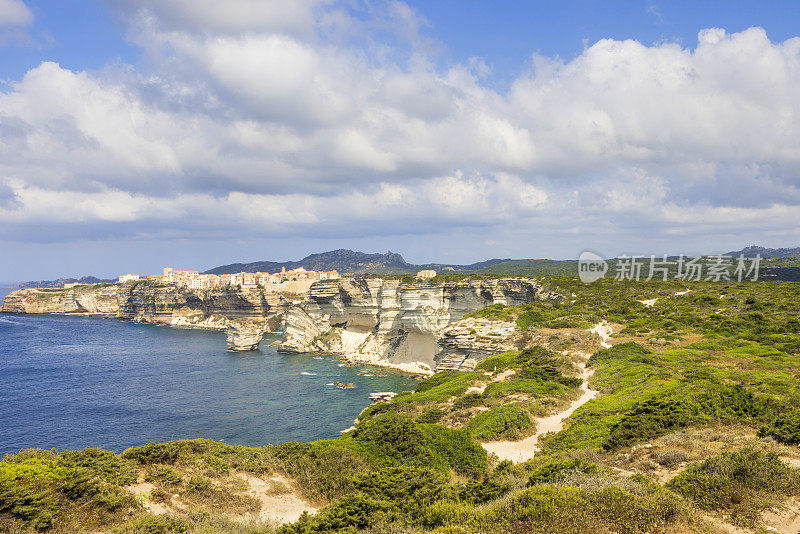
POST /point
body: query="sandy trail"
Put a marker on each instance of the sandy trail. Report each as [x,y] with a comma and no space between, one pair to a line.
[275,508]
[523,450]
[603,329]
[649,303]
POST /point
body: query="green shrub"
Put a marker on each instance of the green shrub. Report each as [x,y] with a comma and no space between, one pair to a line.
[570,381]
[163,475]
[392,439]
[483,491]
[498,422]
[431,415]
[440,387]
[468,401]
[649,419]
[554,469]
[437,379]
[36,487]
[785,428]
[498,362]
[204,453]
[630,350]
[322,468]
[198,484]
[457,448]
[150,524]
[739,482]
[376,409]
[529,318]
[106,465]
[24,492]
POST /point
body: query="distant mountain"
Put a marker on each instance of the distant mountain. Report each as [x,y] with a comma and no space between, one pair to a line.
[350,262]
[752,250]
[61,281]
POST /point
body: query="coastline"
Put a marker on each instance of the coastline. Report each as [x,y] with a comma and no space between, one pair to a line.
[413,369]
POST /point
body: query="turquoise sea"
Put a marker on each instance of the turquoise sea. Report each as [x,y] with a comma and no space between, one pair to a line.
[74,382]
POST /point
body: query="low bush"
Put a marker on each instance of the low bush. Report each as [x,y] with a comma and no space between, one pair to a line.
[440,387]
[431,415]
[556,468]
[670,457]
[741,483]
[202,453]
[529,318]
[392,439]
[499,422]
[163,475]
[785,428]
[648,419]
[468,401]
[498,362]
[38,487]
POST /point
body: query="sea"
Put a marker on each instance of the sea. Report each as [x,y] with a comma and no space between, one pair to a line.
[69,382]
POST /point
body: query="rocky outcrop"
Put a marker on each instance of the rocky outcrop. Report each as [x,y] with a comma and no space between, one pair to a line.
[149,302]
[99,300]
[410,326]
[465,343]
[388,322]
[245,335]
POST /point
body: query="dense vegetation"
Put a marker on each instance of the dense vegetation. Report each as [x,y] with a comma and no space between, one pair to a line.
[536,380]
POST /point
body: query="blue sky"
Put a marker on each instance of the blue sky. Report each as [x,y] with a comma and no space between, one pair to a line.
[87,34]
[508,32]
[140,133]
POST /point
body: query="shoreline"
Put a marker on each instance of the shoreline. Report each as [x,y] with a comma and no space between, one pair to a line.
[412,369]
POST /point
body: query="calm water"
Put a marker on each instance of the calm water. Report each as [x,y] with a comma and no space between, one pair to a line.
[73,382]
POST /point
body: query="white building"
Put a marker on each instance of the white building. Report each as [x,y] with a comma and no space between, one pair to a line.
[128,278]
[427,274]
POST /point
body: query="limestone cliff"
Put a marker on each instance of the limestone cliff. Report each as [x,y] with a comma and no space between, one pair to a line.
[167,304]
[392,323]
[411,326]
[245,335]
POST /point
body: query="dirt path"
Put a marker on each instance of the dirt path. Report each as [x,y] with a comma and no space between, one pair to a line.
[279,504]
[603,329]
[523,450]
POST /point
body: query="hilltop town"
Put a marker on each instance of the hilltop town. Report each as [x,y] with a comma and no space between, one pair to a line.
[297,280]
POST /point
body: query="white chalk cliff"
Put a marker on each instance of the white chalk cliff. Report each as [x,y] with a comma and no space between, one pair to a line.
[388,322]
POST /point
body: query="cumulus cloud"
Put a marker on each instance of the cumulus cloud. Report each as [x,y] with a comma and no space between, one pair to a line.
[230,17]
[14,13]
[285,118]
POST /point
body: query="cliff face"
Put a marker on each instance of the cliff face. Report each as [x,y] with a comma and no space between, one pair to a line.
[404,325]
[410,326]
[97,301]
[157,303]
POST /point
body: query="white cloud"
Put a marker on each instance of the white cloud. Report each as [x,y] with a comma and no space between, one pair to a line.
[14,13]
[230,16]
[249,120]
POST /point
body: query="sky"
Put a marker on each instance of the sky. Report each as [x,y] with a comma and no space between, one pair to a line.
[141,133]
